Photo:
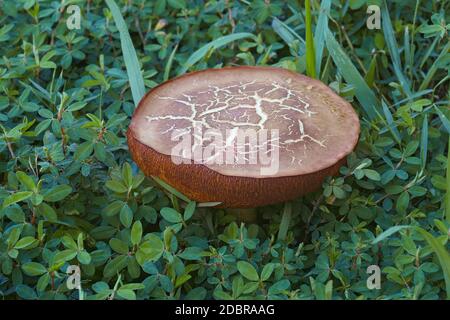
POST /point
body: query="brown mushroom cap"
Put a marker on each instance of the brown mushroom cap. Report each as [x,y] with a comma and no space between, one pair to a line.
[316,129]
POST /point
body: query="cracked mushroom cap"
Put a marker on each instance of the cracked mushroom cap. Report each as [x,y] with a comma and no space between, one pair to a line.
[242,136]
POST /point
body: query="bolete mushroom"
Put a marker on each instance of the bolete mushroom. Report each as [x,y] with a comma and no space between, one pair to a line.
[309,132]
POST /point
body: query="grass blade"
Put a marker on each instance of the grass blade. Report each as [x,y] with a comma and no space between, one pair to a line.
[129,54]
[408,53]
[370,75]
[388,233]
[285,221]
[169,63]
[447,196]
[424,142]
[285,32]
[429,52]
[364,94]
[443,55]
[319,37]
[171,189]
[310,51]
[389,36]
[444,119]
[215,44]
[391,124]
[288,35]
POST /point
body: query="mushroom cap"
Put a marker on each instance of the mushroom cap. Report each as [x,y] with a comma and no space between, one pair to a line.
[295,132]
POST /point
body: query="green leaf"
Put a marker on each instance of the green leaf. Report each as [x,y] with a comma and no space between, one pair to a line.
[33,269]
[136,233]
[129,54]
[191,253]
[127,294]
[113,208]
[285,221]
[403,202]
[177,4]
[25,242]
[126,216]
[84,257]
[279,287]
[388,233]
[198,293]
[443,118]
[215,44]
[150,250]
[26,180]
[133,286]
[267,271]
[319,34]
[372,174]
[119,246]
[390,122]
[48,212]
[370,75]
[127,175]
[389,36]
[171,215]
[57,193]
[169,63]
[16,197]
[365,95]
[189,210]
[115,265]
[447,178]
[62,257]
[247,270]
[25,292]
[287,33]
[76,106]
[83,151]
[14,235]
[15,214]
[424,142]
[310,51]
[116,186]
[222,295]
[443,56]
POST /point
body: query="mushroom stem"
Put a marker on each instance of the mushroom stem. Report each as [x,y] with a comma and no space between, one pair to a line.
[244,215]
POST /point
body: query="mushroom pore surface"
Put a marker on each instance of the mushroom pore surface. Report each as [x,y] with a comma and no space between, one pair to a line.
[284,133]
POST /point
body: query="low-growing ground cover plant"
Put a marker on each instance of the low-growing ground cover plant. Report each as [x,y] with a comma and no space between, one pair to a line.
[73,202]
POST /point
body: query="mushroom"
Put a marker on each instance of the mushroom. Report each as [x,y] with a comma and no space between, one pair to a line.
[188,132]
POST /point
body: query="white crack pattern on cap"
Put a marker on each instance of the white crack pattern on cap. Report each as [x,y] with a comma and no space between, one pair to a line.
[246,105]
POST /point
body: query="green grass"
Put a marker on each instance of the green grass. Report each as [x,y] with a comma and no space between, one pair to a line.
[129,54]
[364,94]
[209,47]
[447,197]
[310,51]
